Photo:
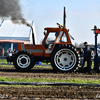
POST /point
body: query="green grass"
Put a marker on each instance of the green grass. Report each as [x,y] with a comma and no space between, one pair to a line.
[28,86]
[3,61]
[86,64]
[49,80]
[43,66]
[44,79]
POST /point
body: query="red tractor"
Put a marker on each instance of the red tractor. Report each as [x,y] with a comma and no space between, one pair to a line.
[56,48]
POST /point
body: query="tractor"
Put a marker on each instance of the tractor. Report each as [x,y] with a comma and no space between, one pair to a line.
[56,48]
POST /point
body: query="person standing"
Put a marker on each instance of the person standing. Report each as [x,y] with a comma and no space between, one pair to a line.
[14,51]
[81,52]
[9,54]
[98,51]
[87,57]
[3,52]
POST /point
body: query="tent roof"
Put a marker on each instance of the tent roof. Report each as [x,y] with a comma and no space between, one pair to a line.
[13,41]
[9,30]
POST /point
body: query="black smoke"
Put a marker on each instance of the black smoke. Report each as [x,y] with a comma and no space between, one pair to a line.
[12,9]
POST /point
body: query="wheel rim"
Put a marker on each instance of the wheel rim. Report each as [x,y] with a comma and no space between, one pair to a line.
[23,61]
[65,59]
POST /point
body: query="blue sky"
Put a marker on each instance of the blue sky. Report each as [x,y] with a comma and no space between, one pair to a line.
[82,15]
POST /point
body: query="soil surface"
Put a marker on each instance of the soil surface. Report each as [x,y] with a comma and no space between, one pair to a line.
[46,73]
[48,93]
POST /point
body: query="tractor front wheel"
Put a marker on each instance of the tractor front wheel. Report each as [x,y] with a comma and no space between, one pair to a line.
[23,61]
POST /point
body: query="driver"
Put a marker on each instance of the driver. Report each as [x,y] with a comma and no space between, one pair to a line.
[49,43]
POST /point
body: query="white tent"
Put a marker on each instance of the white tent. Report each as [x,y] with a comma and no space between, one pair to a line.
[9,30]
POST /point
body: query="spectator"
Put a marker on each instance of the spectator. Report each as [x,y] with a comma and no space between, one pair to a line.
[9,53]
[98,51]
[3,51]
[92,54]
[87,57]
[81,52]
[14,51]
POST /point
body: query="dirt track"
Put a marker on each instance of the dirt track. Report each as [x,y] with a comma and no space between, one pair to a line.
[48,93]
[46,73]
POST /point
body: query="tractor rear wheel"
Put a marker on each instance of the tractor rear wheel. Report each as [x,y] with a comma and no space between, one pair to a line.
[65,59]
[23,61]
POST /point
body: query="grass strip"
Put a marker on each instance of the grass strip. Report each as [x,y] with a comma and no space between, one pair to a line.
[6,65]
[36,66]
[49,80]
[1,85]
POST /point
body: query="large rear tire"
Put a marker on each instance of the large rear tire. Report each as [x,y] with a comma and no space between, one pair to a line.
[65,59]
[23,61]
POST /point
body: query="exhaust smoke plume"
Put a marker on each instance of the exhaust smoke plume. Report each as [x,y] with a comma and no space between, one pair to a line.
[12,9]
